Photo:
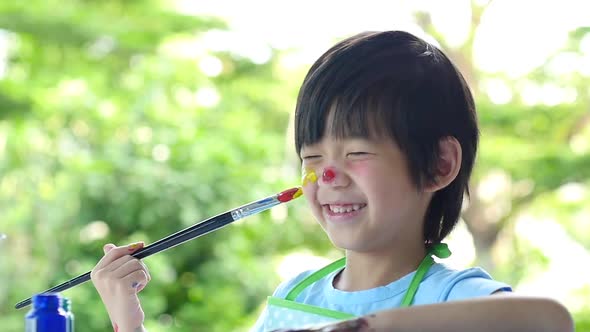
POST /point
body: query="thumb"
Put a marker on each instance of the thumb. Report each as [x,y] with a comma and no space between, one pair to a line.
[108,247]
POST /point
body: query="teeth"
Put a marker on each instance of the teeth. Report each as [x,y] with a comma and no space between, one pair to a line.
[345,209]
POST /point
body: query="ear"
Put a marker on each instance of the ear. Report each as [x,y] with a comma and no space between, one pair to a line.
[448,163]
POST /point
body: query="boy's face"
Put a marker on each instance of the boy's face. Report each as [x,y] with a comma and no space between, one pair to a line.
[362,193]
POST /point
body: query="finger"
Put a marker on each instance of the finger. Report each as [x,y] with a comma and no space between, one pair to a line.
[107,247]
[146,270]
[140,287]
[136,280]
[127,268]
[117,263]
[118,252]
[105,271]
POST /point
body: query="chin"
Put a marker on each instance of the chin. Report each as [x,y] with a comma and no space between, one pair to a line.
[346,244]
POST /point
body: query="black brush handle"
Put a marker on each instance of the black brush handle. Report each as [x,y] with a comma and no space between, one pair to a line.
[168,242]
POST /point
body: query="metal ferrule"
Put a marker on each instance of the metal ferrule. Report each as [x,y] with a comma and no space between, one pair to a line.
[254,207]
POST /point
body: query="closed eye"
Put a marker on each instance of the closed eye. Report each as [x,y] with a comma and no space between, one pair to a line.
[310,157]
[359,153]
[359,156]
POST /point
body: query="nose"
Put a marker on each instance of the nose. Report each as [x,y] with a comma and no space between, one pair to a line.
[328,175]
[331,176]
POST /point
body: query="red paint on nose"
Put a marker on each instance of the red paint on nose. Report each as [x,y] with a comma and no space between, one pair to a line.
[328,175]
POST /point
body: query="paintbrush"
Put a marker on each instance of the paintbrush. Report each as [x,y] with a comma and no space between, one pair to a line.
[189,233]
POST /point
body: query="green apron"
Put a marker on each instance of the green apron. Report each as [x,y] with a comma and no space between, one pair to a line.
[288,314]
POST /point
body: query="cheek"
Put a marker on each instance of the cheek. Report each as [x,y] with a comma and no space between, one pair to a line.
[310,191]
[309,184]
[360,169]
[371,178]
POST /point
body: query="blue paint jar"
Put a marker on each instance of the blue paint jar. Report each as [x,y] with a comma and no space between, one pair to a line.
[47,314]
[67,306]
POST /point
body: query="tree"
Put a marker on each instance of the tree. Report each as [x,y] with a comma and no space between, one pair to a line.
[119,123]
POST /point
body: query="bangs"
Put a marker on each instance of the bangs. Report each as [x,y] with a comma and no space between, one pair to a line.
[372,113]
[364,92]
[360,115]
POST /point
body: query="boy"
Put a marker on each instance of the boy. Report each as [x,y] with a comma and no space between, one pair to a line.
[386,129]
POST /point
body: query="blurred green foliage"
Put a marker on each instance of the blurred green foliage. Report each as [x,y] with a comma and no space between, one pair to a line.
[112,131]
[106,136]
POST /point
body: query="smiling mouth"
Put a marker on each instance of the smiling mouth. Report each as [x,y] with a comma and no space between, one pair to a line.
[342,209]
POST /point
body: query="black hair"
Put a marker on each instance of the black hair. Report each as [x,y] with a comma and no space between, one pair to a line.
[407,90]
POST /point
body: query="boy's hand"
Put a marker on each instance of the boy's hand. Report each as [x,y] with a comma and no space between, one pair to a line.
[354,325]
[118,277]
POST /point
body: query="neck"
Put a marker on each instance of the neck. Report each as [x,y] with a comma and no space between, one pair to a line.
[366,270]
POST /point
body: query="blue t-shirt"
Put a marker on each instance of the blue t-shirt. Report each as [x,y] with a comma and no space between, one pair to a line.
[440,284]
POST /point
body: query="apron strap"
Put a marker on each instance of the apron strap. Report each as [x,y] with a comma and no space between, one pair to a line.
[440,250]
[292,295]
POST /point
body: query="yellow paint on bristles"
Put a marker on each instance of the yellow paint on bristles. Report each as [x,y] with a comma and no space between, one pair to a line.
[298,193]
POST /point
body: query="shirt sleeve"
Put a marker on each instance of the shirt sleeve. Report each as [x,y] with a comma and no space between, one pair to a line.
[474,283]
